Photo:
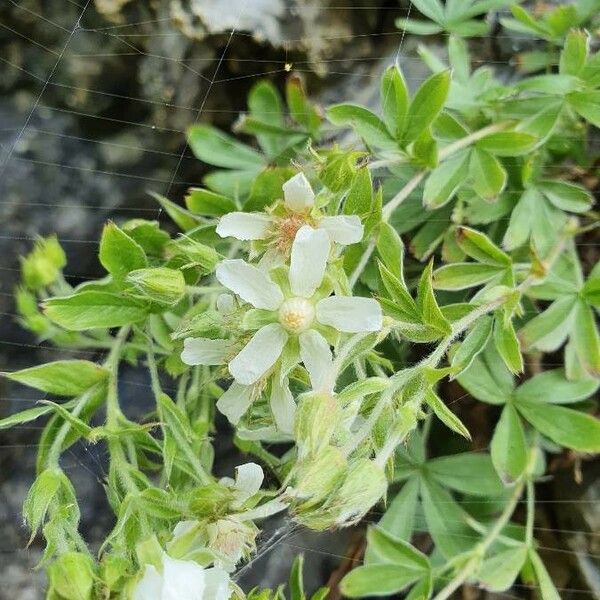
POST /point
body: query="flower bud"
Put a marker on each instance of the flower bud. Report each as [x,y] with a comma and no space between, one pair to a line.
[363,486]
[316,419]
[160,284]
[72,576]
[316,478]
[231,540]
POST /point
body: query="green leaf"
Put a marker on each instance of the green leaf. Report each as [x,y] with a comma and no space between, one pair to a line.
[234,184]
[301,110]
[444,414]
[266,187]
[93,310]
[424,151]
[204,202]
[431,8]
[426,105]
[422,590]
[62,377]
[564,426]
[265,105]
[427,304]
[40,497]
[553,387]
[540,332]
[399,518]
[474,343]
[184,219]
[396,551]
[119,253]
[366,123]
[591,290]
[25,416]
[586,339]
[508,447]
[488,175]
[567,196]
[547,589]
[499,572]
[478,246]
[399,293]
[469,473]
[458,56]
[391,249]
[574,53]
[296,582]
[418,27]
[445,180]
[521,218]
[507,344]
[360,196]
[394,100]
[487,378]
[446,521]
[508,143]
[461,276]
[587,104]
[378,580]
[221,150]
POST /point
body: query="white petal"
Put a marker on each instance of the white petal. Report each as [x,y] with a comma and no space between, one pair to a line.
[282,404]
[297,193]
[217,584]
[310,251]
[350,314]
[248,479]
[235,402]
[343,229]
[203,351]
[184,527]
[249,283]
[148,585]
[263,511]
[182,580]
[225,304]
[316,356]
[259,354]
[270,259]
[244,226]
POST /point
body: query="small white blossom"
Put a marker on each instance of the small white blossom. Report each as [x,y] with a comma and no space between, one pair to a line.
[182,580]
[298,311]
[280,229]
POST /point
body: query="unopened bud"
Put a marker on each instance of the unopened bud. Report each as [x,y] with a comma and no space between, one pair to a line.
[72,576]
[316,419]
[160,284]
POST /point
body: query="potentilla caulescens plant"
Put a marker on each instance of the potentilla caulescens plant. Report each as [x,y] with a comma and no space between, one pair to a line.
[288,303]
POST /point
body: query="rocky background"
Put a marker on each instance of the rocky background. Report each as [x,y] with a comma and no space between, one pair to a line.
[95,96]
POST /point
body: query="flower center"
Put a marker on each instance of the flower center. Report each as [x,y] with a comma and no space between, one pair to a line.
[286,230]
[296,314]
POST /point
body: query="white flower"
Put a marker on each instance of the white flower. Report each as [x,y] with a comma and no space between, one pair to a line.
[182,580]
[298,202]
[298,311]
